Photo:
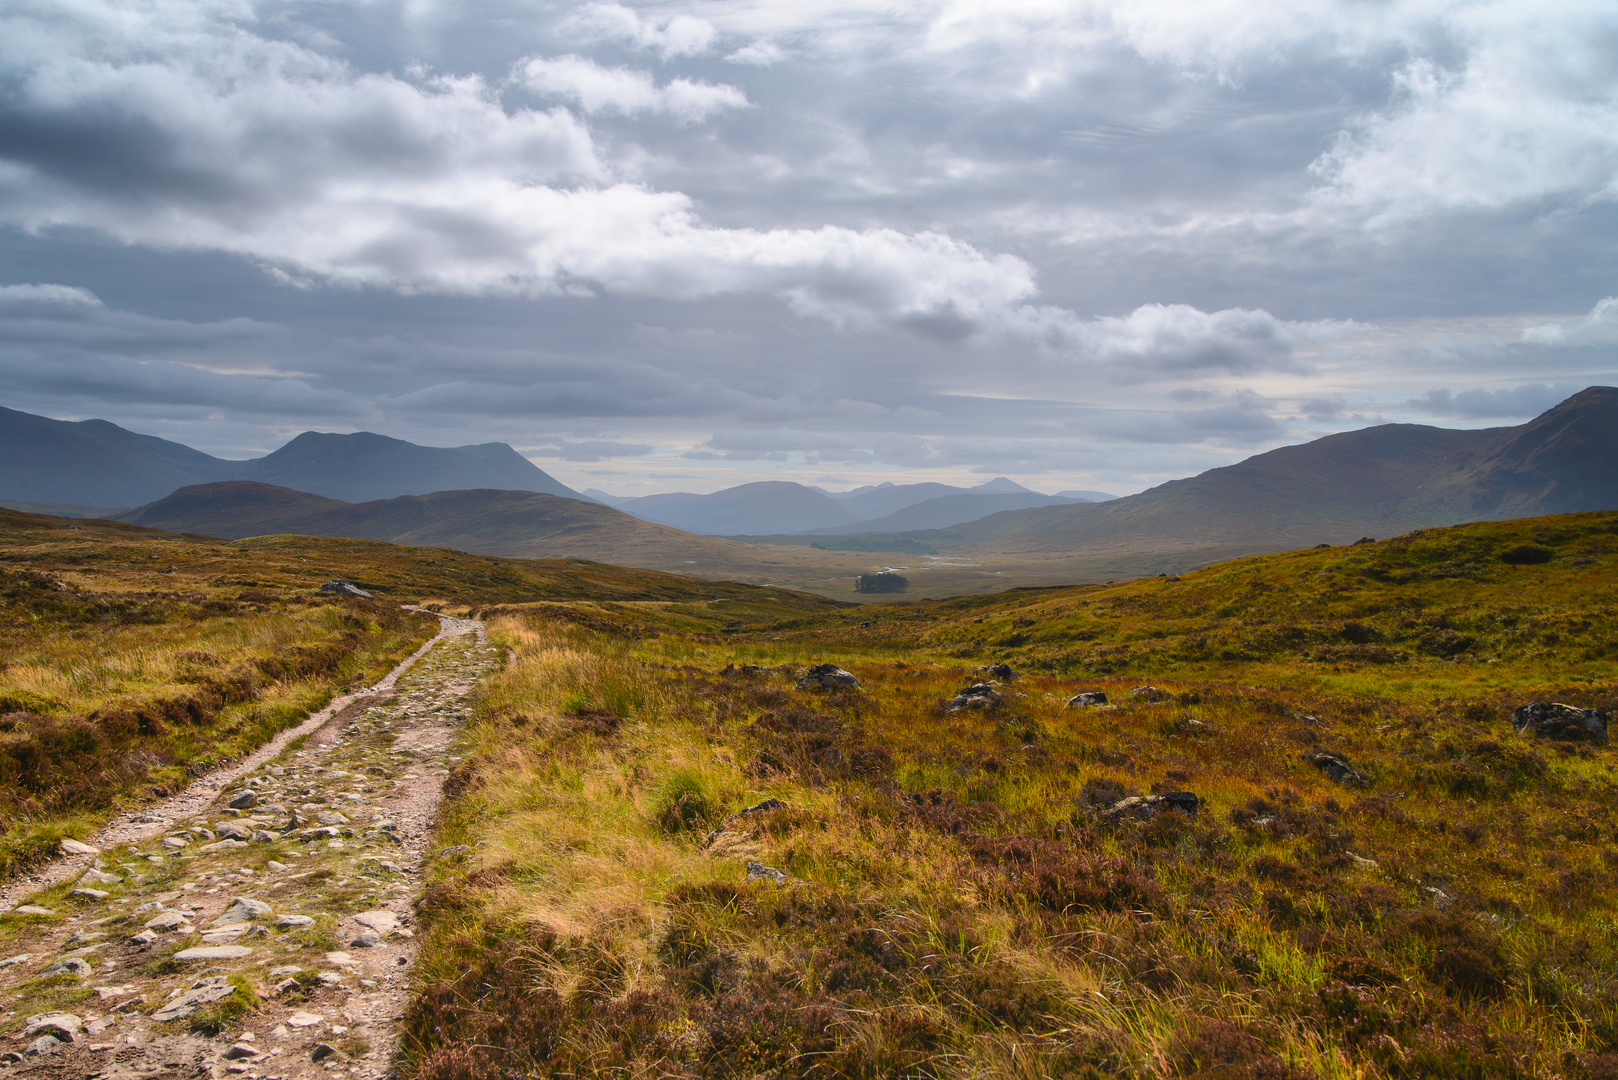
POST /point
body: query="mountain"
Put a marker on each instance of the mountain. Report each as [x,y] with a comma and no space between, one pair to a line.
[92,462]
[770,506]
[1381,481]
[365,466]
[95,464]
[948,510]
[783,507]
[1087,496]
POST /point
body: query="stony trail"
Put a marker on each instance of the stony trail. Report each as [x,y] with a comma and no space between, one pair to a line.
[272,940]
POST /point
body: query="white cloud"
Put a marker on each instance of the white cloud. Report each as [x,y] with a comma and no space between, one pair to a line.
[758,54]
[1600,327]
[681,35]
[602,89]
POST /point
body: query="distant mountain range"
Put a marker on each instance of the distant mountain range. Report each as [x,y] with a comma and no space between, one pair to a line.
[783,507]
[92,464]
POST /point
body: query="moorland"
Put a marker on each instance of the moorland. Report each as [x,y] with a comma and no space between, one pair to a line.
[677,859]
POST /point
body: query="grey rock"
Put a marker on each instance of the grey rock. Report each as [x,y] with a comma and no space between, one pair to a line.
[977,697]
[1145,807]
[244,800]
[204,991]
[73,965]
[366,941]
[1553,720]
[144,938]
[331,817]
[239,1051]
[223,845]
[292,922]
[100,878]
[1088,697]
[234,830]
[83,937]
[382,922]
[241,909]
[760,872]
[1149,694]
[90,894]
[31,909]
[214,952]
[264,836]
[325,832]
[13,961]
[45,1044]
[453,850]
[339,587]
[1338,769]
[63,1025]
[1003,672]
[828,677]
[285,986]
[71,846]
[322,1051]
[167,921]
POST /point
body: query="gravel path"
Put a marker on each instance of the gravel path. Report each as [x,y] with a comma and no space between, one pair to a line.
[271,941]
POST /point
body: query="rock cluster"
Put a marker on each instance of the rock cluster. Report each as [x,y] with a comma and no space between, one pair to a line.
[828,677]
[977,697]
[1553,720]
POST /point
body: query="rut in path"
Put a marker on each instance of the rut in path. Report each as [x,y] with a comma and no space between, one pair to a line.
[272,941]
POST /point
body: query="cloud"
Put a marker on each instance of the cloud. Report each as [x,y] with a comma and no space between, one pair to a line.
[55,318]
[1600,327]
[601,89]
[681,35]
[758,54]
[586,449]
[1518,402]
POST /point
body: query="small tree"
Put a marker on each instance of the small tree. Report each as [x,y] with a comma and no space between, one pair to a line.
[880,583]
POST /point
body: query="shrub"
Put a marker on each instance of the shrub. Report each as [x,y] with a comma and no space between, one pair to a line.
[1527,555]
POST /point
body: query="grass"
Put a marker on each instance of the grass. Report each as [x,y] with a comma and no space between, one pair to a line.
[958,903]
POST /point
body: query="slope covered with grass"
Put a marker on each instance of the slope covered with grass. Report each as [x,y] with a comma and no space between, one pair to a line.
[1380,878]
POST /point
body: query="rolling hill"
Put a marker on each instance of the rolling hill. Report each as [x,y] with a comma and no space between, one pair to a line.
[93,464]
[1381,481]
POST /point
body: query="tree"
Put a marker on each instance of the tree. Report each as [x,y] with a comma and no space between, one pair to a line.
[884,582]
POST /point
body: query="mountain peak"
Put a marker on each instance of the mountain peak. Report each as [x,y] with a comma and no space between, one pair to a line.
[1002,486]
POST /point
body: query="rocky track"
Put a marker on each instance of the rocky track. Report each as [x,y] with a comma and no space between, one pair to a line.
[260,923]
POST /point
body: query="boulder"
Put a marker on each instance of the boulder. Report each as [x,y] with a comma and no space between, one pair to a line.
[828,677]
[339,587]
[1149,694]
[71,966]
[1145,807]
[71,846]
[1553,720]
[760,872]
[63,1025]
[235,830]
[244,800]
[1003,672]
[1338,769]
[978,696]
[1088,697]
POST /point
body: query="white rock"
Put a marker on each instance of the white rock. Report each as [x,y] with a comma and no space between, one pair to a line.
[71,846]
[214,952]
[304,1019]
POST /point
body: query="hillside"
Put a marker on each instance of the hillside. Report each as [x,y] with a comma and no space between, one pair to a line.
[1380,481]
[514,524]
[96,464]
[947,511]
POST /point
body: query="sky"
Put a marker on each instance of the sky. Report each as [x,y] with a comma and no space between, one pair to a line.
[682,246]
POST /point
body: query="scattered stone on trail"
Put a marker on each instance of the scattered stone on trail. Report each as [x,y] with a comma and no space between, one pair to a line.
[292,922]
[1553,720]
[827,677]
[214,952]
[90,894]
[175,843]
[304,1019]
[13,961]
[45,1044]
[1088,697]
[223,845]
[1148,694]
[339,587]
[331,817]
[31,909]
[322,1051]
[760,872]
[366,941]
[1338,769]
[238,1051]
[383,922]
[144,938]
[169,920]
[1144,807]
[241,909]
[325,832]
[1003,672]
[264,836]
[63,1025]
[100,878]
[244,800]
[71,966]
[205,991]
[977,696]
[71,846]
